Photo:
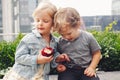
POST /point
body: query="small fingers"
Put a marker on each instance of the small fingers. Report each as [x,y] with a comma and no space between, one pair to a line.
[66,57]
[89,72]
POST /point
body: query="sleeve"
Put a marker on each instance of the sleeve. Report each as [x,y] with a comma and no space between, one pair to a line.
[93,44]
[53,63]
[23,55]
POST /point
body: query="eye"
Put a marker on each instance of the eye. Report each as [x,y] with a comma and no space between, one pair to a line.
[37,20]
[46,21]
[69,33]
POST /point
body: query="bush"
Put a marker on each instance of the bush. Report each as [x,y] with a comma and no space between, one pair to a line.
[7,50]
[110,44]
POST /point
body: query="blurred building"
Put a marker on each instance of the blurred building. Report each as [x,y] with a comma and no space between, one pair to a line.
[16,17]
[7,19]
[116,13]
[115,7]
[1,28]
[26,8]
[100,22]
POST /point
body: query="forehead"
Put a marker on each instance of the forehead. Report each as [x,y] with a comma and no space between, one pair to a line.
[65,30]
[42,14]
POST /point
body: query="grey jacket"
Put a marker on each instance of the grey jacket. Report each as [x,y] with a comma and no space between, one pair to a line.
[26,55]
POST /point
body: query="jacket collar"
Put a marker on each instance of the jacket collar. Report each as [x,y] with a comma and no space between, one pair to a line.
[37,34]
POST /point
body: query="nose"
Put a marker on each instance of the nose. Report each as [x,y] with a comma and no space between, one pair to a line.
[40,23]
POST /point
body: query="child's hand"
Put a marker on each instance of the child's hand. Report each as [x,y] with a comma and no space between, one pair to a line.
[90,72]
[43,59]
[62,57]
[61,68]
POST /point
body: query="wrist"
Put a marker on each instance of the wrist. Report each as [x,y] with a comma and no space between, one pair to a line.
[93,67]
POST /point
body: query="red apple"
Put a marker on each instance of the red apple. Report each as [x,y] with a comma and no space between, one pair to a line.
[47,51]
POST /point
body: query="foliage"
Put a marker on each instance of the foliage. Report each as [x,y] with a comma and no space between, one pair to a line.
[56,34]
[110,44]
[7,50]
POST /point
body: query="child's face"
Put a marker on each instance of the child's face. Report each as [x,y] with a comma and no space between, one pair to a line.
[69,33]
[43,22]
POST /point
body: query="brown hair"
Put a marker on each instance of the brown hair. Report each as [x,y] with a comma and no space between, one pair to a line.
[66,17]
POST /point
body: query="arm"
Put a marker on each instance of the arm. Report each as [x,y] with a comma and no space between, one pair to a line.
[23,55]
[95,60]
[53,63]
[58,57]
[62,57]
[91,70]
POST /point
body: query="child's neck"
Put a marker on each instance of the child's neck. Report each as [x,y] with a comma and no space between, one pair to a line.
[47,39]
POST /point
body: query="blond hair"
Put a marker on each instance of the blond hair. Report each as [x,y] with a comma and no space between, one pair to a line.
[66,17]
[49,7]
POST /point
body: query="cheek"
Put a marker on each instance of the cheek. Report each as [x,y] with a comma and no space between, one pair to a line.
[37,25]
[71,36]
[49,24]
[48,27]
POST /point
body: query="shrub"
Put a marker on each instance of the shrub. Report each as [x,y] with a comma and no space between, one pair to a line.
[7,50]
[110,44]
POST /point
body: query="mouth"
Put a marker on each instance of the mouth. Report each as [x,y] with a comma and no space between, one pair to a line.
[40,28]
[71,39]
